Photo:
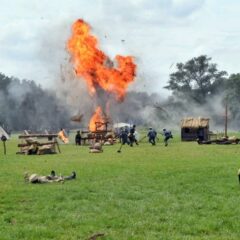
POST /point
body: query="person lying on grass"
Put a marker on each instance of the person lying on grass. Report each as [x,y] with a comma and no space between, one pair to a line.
[35,178]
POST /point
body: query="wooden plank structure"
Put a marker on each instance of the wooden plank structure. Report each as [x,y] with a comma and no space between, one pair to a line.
[101,134]
[195,128]
[38,143]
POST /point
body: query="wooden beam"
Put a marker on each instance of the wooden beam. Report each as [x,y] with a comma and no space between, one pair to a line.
[38,135]
[38,144]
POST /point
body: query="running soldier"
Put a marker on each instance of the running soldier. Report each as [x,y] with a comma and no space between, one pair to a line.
[152,134]
[132,137]
[167,135]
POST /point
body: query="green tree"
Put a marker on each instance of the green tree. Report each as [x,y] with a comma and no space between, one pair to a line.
[4,82]
[25,105]
[196,79]
[232,86]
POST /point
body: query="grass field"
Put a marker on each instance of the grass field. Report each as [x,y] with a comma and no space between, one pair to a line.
[183,191]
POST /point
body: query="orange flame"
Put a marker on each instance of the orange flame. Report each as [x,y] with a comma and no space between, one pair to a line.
[97,117]
[95,67]
[63,136]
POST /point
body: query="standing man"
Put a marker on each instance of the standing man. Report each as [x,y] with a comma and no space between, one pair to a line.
[152,134]
[167,135]
[124,136]
[78,138]
[131,136]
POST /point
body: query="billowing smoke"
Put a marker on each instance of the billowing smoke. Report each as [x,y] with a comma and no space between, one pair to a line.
[28,106]
[25,105]
[136,108]
[142,108]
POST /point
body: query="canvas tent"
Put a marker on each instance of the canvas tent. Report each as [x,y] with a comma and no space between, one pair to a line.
[121,125]
[193,128]
[118,126]
[3,132]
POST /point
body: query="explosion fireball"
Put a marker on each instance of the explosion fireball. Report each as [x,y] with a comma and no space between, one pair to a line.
[92,65]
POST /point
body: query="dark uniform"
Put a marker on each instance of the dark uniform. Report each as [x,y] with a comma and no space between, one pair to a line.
[78,138]
[152,134]
[167,135]
[124,136]
[132,137]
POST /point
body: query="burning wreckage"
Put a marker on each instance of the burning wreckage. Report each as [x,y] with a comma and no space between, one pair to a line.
[103,80]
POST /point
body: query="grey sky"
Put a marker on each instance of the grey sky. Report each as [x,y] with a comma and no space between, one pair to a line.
[158,33]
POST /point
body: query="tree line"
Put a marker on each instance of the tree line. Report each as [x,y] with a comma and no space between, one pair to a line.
[197,88]
[26,105]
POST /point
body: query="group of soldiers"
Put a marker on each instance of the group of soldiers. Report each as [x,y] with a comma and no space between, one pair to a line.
[129,136]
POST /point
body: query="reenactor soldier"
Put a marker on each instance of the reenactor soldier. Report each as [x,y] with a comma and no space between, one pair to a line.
[35,178]
[78,138]
[132,137]
[124,136]
[152,134]
[167,135]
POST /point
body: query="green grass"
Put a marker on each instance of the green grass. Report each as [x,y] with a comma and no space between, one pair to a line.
[183,191]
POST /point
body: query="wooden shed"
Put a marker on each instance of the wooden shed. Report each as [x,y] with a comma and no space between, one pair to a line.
[193,128]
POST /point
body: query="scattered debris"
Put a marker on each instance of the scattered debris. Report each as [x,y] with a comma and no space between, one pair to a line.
[223,140]
[77,118]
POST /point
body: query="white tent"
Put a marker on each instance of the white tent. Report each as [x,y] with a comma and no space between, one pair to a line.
[121,125]
[3,132]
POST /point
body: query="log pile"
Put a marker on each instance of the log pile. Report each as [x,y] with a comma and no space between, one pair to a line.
[38,144]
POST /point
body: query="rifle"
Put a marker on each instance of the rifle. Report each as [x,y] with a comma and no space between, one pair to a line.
[142,138]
